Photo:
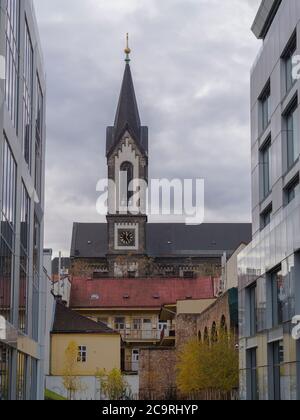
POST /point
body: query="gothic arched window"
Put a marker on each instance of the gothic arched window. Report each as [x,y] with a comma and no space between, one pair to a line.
[214,333]
[223,325]
[126,179]
[206,336]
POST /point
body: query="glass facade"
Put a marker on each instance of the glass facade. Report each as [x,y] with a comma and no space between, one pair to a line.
[5,371]
[266,174]
[22,145]
[292,137]
[27,97]
[265,107]
[269,268]
[21,377]
[12,58]
[39,138]
[288,63]
[7,232]
[24,260]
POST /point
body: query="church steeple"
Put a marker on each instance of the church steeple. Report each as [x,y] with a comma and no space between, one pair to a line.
[127,115]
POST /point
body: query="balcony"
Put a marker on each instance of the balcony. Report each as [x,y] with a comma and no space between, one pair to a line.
[167,337]
[142,335]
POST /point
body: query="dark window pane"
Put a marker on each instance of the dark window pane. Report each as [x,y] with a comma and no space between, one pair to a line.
[12,59]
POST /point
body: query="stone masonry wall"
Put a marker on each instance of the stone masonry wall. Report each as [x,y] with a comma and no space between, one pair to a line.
[158,374]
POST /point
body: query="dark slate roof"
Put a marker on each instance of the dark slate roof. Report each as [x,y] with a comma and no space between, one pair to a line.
[127,117]
[65,264]
[67,321]
[163,240]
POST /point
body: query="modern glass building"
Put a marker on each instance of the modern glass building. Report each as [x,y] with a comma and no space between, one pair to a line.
[22,151]
[269,268]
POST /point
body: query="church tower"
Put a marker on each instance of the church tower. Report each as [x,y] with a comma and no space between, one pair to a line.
[127,161]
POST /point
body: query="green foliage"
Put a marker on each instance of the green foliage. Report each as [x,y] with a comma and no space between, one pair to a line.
[113,385]
[203,367]
[71,382]
[52,396]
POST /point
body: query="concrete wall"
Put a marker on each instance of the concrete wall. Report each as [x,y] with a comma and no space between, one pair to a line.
[90,387]
[103,352]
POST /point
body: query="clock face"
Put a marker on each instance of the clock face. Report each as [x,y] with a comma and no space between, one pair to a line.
[127,237]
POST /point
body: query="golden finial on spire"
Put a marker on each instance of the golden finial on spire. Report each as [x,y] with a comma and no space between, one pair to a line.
[127,49]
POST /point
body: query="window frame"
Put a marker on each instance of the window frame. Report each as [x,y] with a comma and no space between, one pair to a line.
[264,104]
[287,58]
[82,354]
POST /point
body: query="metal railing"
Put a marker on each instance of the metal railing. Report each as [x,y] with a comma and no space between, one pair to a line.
[140,335]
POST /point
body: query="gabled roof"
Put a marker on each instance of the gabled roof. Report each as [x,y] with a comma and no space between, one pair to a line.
[127,117]
[138,293]
[89,240]
[67,321]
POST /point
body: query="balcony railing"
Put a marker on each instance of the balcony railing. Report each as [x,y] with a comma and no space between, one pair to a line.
[140,335]
[168,333]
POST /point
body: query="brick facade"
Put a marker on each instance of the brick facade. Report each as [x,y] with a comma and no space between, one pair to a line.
[224,310]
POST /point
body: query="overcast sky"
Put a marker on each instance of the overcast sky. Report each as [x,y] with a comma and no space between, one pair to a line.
[191,62]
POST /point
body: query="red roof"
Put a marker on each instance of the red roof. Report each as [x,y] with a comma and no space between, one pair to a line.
[135,293]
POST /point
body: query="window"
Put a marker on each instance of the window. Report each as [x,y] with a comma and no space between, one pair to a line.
[266,217]
[265,107]
[277,360]
[7,229]
[4,372]
[188,274]
[126,177]
[292,136]
[24,258]
[252,374]
[137,324]
[223,325]
[277,297]
[12,59]
[120,324]
[39,139]
[132,274]
[36,283]
[21,376]
[135,360]
[206,336]
[27,97]
[290,191]
[214,333]
[266,169]
[82,354]
[252,310]
[288,62]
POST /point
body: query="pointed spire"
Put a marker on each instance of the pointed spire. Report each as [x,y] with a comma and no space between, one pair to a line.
[127,115]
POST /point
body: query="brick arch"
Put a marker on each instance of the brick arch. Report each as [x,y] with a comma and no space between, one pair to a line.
[223,324]
[214,332]
[206,335]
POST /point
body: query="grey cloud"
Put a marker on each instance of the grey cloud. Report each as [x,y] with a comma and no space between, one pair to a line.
[191,62]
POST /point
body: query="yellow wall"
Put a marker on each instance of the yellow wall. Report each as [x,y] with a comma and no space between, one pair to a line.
[103,352]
